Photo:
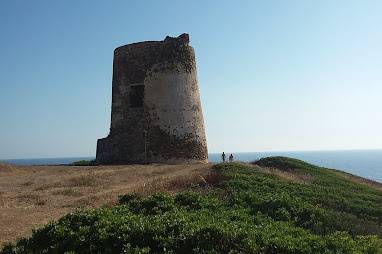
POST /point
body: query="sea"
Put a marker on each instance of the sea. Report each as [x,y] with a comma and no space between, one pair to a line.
[364,163]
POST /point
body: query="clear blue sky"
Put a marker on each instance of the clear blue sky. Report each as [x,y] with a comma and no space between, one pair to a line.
[274,75]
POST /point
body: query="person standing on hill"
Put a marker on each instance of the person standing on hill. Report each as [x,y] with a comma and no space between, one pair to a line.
[223,157]
[231,158]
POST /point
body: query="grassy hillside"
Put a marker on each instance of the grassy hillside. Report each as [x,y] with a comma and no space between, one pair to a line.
[277,205]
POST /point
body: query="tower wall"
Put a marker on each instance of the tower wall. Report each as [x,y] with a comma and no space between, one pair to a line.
[156,109]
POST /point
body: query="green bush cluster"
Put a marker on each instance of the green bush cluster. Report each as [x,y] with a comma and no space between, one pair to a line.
[84,163]
[330,203]
[353,203]
[249,212]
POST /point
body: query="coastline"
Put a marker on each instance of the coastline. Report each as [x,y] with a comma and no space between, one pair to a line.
[363,163]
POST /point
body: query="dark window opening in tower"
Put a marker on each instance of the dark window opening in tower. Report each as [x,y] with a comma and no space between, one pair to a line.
[136,96]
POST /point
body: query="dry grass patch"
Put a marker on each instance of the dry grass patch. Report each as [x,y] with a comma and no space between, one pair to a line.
[197,180]
[87,180]
[67,192]
[31,199]
[48,186]
[287,175]
[357,179]
[2,199]
[88,201]
[7,168]
[84,180]
[27,183]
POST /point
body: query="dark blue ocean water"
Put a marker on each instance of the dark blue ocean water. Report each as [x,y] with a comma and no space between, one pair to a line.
[365,163]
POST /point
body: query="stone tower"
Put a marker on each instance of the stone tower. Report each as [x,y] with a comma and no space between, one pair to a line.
[156,112]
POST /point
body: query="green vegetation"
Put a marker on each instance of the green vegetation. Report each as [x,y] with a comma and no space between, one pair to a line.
[84,163]
[246,211]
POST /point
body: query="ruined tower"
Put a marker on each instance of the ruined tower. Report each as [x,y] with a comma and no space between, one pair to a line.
[156,112]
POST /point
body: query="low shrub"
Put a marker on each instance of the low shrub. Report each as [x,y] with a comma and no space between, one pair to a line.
[84,163]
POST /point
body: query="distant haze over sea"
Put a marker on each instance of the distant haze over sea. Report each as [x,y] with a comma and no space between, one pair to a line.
[365,163]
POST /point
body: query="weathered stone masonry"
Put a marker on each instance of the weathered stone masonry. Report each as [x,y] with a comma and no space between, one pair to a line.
[156,112]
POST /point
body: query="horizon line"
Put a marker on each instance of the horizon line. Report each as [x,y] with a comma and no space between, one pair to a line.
[271,151]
